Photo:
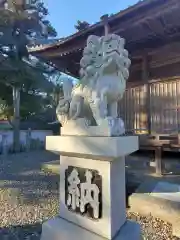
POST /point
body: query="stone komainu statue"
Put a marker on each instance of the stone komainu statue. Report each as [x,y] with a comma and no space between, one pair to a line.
[103,75]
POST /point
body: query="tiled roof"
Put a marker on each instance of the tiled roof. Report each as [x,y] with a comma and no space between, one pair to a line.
[41,43]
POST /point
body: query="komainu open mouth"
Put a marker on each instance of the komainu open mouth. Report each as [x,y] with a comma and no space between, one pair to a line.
[110,66]
[113,51]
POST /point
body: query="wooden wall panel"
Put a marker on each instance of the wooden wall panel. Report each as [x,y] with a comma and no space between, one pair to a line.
[132,108]
[164,107]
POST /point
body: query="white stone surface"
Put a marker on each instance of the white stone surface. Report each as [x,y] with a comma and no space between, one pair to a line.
[166,190]
[94,103]
[113,195]
[103,83]
[59,229]
[80,128]
[104,148]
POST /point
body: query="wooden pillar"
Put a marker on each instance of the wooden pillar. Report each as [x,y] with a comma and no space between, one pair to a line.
[145,78]
[158,161]
[105,19]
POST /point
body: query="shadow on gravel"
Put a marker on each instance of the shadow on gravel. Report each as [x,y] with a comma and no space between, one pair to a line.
[22,178]
[21,175]
[33,189]
[25,232]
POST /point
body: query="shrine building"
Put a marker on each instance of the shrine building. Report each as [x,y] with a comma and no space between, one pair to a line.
[151,29]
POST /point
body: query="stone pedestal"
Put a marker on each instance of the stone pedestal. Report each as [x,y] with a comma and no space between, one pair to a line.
[60,229]
[92,189]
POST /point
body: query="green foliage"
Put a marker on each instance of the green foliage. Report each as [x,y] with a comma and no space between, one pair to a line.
[28,18]
[81,25]
[21,23]
[30,103]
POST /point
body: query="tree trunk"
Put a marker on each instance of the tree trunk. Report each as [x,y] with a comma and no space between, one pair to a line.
[16,121]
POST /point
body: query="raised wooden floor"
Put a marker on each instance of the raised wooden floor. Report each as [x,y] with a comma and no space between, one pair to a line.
[159,143]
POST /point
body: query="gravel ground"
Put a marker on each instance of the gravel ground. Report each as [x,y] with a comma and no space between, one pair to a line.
[153,228]
[28,197]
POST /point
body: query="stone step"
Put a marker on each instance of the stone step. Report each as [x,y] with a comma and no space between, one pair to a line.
[52,167]
[161,199]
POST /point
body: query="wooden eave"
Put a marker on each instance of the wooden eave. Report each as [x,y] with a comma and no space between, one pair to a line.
[140,6]
[147,25]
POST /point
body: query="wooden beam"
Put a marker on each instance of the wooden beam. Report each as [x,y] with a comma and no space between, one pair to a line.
[158,55]
[166,55]
[155,36]
[155,26]
[151,13]
[63,52]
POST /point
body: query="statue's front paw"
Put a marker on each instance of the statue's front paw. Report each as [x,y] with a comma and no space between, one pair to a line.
[116,126]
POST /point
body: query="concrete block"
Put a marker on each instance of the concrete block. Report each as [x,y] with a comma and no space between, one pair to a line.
[160,199]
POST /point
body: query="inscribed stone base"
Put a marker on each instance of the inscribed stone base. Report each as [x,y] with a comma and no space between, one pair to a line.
[92,181]
[110,180]
[160,199]
[60,229]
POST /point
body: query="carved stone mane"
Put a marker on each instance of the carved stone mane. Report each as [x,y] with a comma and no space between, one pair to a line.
[97,53]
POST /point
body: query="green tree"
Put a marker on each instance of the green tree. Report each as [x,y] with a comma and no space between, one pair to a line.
[81,25]
[21,22]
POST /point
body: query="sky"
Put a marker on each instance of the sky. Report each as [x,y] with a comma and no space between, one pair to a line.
[64,14]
